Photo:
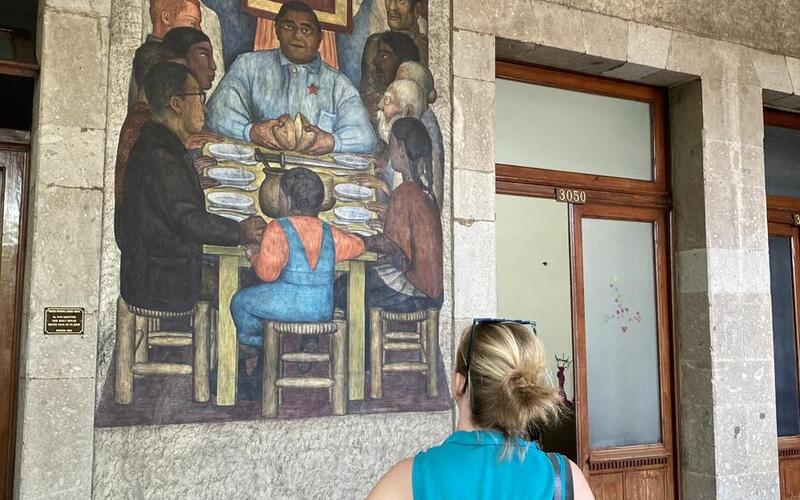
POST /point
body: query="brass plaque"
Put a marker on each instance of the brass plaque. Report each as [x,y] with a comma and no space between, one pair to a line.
[576,196]
[63,320]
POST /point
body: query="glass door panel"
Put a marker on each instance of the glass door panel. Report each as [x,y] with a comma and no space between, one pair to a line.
[621,324]
[573,131]
[533,282]
[784,338]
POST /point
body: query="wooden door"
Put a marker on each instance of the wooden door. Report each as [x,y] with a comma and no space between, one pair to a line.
[14,151]
[787,234]
[635,470]
[622,460]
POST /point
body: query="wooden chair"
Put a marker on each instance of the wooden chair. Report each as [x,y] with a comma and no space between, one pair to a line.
[274,380]
[139,329]
[425,341]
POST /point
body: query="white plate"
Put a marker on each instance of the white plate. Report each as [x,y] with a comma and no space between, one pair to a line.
[247,187]
[230,200]
[352,214]
[351,161]
[352,192]
[232,176]
[225,210]
[235,152]
[237,217]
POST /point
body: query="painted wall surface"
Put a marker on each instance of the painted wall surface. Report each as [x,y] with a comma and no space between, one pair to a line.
[304,421]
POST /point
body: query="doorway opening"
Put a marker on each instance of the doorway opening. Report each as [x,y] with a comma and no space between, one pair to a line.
[18,73]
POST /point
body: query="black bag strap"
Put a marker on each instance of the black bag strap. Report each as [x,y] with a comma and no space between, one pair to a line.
[563,488]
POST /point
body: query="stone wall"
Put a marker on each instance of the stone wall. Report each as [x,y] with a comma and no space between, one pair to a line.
[55,422]
[768,25]
[723,319]
[722,294]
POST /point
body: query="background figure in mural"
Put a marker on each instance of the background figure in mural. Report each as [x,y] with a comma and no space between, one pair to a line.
[138,114]
[420,74]
[409,274]
[187,46]
[404,98]
[402,17]
[164,16]
[392,50]
[238,28]
[263,93]
[165,222]
[192,47]
[296,261]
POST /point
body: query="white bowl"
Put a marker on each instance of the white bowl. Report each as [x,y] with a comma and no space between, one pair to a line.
[352,192]
[224,199]
[235,152]
[351,161]
[352,214]
[232,176]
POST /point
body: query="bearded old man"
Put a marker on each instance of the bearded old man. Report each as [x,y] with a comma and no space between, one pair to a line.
[404,98]
[264,91]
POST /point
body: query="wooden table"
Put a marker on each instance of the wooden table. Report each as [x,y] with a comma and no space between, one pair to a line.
[233,258]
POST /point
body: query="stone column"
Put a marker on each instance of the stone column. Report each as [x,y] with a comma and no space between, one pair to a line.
[474,290]
[727,389]
[56,403]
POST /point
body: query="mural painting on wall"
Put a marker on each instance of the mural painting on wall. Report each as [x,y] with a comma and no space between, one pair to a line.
[280,236]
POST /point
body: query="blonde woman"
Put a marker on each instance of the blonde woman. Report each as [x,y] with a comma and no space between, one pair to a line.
[502,390]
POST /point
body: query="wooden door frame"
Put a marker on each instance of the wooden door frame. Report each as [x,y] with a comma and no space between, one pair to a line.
[542,176]
[10,320]
[789,446]
[619,199]
[782,208]
[643,456]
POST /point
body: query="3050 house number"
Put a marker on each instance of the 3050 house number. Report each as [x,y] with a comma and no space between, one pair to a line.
[570,195]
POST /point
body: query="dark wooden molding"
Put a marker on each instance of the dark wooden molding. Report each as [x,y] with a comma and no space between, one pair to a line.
[15,68]
[783,119]
[654,96]
[14,171]
[10,136]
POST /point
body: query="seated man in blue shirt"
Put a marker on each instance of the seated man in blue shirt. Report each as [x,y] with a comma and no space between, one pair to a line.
[263,92]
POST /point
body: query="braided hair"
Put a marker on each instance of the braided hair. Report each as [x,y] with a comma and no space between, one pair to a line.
[417,145]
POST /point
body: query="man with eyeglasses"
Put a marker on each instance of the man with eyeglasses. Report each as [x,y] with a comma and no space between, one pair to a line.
[164,224]
[188,46]
[263,92]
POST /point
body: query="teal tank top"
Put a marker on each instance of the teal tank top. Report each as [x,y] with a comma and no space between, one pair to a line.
[467,465]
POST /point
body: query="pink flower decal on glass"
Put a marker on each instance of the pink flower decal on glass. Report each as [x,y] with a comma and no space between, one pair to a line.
[621,314]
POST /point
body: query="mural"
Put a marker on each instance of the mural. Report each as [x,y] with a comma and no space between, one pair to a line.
[280,238]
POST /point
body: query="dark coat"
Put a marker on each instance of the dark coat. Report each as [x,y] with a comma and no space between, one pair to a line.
[164,223]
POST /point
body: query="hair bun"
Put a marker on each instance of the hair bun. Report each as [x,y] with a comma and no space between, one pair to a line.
[523,391]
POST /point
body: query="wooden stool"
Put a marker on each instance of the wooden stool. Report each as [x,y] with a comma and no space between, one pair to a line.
[425,341]
[273,364]
[140,329]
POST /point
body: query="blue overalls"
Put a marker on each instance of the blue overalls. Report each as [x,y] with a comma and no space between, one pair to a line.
[299,295]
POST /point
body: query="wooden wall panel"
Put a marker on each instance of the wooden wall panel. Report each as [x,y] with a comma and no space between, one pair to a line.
[790,478]
[607,486]
[646,484]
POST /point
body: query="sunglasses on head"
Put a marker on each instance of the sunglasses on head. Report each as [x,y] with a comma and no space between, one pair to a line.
[488,321]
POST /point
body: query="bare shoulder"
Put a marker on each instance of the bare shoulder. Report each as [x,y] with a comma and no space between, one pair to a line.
[581,487]
[395,484]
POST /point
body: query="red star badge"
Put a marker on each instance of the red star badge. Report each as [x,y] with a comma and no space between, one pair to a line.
[313,89]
